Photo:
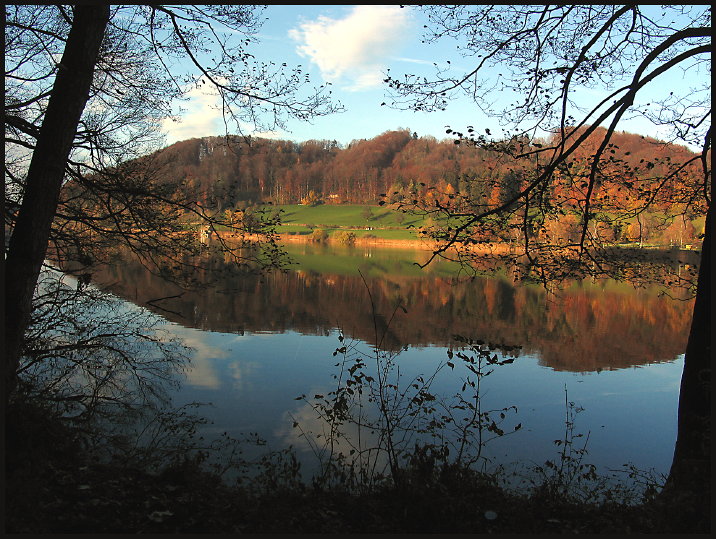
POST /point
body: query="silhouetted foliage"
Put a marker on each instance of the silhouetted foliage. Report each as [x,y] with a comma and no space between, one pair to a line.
[76,122]
[546,56]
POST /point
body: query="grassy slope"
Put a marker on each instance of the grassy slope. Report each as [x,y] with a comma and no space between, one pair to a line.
[299,219]
[383,223]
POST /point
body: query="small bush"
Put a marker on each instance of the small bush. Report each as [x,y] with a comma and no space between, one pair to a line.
[319,236]
[345,237]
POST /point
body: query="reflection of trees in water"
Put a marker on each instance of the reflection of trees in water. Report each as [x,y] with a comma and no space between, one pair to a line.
[586,327]
[103,364]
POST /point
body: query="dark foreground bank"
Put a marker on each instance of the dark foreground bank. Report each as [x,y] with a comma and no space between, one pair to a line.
[55,485]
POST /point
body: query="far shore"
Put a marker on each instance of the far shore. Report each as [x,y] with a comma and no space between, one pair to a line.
[416,244]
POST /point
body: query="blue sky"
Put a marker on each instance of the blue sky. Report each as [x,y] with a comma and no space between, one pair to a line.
[352,47]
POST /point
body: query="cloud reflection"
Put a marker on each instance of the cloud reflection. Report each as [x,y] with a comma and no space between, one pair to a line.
[312,434]
[201,371]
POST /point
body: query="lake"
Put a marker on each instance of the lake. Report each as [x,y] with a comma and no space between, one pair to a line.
[261,342]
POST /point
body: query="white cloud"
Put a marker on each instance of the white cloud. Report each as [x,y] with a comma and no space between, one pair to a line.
[201,116]
[354,50]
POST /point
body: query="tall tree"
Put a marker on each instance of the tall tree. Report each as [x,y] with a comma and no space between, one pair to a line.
[28,243]
[73,125]
[548,56]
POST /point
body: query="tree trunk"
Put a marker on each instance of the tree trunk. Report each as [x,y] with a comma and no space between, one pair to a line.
[690,472]
[30,236]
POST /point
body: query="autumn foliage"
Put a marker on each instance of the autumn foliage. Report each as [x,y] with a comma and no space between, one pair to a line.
[220,173]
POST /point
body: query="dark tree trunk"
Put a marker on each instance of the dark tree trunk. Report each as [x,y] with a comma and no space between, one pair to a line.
[691,468]
[28,243]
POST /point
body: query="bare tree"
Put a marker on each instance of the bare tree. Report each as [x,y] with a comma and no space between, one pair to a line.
[28,243]
[546,56]
[90,355]
[86,88]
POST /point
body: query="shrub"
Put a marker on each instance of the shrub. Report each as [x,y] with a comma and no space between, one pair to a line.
[345,237]
[319,236]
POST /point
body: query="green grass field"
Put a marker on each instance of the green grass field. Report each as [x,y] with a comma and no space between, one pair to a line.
[382,222]
[368,220]
[350,215]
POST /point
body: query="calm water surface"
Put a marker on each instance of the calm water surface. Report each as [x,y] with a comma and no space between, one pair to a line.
[259,343]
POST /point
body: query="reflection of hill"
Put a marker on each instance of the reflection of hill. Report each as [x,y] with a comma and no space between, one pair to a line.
[588,328]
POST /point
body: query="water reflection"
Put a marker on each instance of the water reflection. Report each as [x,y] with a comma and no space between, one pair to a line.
[589,327]
[261,342]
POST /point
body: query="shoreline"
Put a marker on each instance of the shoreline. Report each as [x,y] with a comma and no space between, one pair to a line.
[416,244]
[423,244]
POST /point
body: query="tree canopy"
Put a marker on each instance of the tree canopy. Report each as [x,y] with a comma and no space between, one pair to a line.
[86,88]
[547,57]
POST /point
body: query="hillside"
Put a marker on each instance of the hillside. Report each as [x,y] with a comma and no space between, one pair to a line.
[221,173]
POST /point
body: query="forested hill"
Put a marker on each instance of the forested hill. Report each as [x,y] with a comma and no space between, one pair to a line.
[221,172]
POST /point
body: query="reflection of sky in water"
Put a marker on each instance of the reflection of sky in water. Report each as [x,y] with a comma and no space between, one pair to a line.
[252,380]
